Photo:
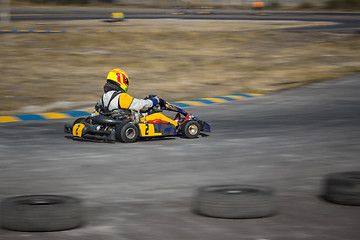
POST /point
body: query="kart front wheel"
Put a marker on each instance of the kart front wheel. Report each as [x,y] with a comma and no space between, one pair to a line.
[191,129]
[127,133]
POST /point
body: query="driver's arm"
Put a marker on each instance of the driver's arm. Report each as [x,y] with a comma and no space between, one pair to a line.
[128,102]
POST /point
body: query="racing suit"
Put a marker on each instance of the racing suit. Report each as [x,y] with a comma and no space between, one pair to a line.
[113,99]
[116,99]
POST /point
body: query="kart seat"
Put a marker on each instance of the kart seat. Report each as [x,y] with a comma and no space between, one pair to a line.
[105,120]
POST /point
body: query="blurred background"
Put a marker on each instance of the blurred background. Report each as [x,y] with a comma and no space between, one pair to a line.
[349,4]
[55,55]
[178,49]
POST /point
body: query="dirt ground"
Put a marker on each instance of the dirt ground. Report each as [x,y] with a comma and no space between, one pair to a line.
[173,58]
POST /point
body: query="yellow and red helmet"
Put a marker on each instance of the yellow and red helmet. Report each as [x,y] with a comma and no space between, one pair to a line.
[119,77]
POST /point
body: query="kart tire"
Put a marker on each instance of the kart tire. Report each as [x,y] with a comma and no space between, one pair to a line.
[235,201]
[40,213]
[127,133]
[79,120]
[190,129]
[343,188]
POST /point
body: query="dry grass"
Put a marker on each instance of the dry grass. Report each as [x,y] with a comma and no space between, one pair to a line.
[176,59]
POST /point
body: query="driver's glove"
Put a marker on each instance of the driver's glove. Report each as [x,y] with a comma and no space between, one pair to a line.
[155,99]
[162,103]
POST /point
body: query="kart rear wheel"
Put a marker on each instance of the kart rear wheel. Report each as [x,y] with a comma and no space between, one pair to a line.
[190,129]
[127,133]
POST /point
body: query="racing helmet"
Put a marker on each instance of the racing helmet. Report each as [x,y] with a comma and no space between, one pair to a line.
[120,78]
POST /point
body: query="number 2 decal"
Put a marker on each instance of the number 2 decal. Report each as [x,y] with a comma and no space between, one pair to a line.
[147,129]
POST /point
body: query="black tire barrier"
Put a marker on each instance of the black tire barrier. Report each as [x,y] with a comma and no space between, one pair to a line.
[235,201]
[41,213]
[342,188]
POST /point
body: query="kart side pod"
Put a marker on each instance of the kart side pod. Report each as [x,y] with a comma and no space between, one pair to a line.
[157,129]
[130,132]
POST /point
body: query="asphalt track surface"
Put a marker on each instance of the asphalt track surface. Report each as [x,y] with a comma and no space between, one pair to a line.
[348,22]
[288,140]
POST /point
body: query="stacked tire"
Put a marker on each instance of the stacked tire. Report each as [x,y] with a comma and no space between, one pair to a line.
[45,213]
[343,188]
[41,213]
[235,201]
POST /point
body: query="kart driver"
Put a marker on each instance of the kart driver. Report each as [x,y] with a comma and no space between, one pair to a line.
[115,97]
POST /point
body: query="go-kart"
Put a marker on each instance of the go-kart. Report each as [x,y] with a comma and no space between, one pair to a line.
[129,126]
